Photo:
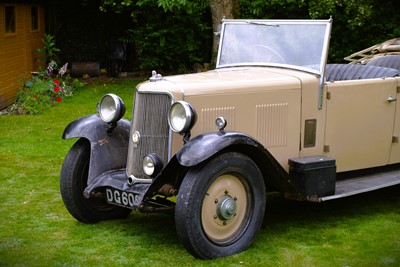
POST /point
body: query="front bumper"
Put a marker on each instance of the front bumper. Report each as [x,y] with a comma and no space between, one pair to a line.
[116,180]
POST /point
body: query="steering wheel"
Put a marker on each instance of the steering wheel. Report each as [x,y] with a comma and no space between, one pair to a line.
[269,54]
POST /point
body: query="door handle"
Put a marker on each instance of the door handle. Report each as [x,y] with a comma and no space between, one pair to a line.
[391,99]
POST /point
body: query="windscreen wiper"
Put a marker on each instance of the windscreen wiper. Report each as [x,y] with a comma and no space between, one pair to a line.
[262,23]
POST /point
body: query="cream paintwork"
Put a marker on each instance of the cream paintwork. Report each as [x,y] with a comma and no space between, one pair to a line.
[356,140]
[359,122]
[269,109]
[235,80]
[309,111]
[162,86]
[244,118]
[395,150]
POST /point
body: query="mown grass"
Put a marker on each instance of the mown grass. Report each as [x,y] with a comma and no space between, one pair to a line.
[36,229]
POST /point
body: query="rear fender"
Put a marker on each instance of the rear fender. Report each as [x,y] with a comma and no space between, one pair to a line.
[108,150]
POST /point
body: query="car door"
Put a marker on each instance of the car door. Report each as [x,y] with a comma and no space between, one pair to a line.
[360,122]
[395,151]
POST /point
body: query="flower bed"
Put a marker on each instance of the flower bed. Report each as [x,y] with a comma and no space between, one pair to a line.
[45,90]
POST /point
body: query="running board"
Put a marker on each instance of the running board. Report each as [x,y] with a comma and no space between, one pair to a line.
[361,184]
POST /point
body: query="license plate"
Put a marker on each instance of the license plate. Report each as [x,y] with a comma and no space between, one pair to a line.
[122,198]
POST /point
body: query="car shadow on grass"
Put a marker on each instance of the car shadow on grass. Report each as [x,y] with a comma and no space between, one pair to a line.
[284,220]
[282,213]
[154,228]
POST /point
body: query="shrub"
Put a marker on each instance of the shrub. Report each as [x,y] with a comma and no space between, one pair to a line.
[45,90]
[50,51]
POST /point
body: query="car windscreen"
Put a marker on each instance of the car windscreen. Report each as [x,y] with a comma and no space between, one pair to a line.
[298,44]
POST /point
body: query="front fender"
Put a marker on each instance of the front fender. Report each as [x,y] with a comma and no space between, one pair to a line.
[205,146]
[92,127]
[108,151]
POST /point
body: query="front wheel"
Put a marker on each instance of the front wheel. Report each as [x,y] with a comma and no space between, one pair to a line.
[220,206]
[73,181]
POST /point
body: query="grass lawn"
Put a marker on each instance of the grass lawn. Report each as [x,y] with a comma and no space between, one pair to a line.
[36,229]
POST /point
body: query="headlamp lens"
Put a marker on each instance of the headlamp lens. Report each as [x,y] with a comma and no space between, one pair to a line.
[111,108]
[152,165]
[182,117]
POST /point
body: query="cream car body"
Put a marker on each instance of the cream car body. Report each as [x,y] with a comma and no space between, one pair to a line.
[272,116]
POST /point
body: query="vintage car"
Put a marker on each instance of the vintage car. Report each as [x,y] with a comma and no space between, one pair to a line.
[207,147]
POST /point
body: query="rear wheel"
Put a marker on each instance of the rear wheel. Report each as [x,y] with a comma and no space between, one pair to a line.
[73,181]
[114,68]
[220,206]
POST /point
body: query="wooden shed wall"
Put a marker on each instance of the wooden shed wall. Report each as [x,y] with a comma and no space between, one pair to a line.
[18,51]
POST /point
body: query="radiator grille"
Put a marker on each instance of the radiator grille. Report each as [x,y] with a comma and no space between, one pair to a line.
[149,118]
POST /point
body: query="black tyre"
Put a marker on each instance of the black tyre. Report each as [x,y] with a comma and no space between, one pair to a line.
[114,68]
[73,181]
[220,206]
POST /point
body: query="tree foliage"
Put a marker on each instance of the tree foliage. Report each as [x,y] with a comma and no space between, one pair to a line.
[356,24]
[174,34]
[167,36]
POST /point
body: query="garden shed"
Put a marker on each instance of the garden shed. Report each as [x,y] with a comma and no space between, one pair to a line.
[22,27]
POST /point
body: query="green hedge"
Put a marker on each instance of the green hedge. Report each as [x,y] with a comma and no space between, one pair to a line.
[174,40]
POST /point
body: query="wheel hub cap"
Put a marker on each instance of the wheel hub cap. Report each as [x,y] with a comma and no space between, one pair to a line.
[226,208]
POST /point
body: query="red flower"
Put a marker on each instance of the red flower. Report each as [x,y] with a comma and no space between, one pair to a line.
[56,89]
[58,99]
[35,96]
[56,82]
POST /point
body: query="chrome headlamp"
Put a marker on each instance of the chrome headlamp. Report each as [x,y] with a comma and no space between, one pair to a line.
[181,117]
[111,108]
